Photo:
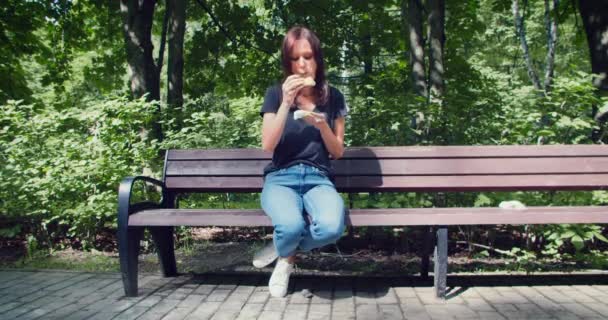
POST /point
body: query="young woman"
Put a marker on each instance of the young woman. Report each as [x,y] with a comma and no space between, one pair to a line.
[298,194]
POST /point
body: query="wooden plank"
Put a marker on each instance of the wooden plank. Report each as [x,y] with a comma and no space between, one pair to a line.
[477,151]
[381,217]
[410,151]
[218,154]
[199,217]
[217,168]
[368,167]
[407,183]
[214,184]
[477,166]
[473,183]
[479,216]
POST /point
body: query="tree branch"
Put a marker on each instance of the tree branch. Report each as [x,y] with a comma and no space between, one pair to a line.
[359,76]
[520,31]
[217,23]
[472,244]
[225,32]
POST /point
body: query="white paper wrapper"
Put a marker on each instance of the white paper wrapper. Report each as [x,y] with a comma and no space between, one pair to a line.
[299,114]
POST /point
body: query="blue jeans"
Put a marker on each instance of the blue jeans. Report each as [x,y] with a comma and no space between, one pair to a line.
[306,210]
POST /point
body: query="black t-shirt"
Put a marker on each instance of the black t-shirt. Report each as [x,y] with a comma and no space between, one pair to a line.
[301,142]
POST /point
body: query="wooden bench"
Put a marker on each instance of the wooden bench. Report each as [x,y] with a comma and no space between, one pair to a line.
[374,169]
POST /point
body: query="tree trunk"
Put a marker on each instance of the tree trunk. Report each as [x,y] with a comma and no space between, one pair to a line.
[416,41]
[368,66]
[437,41]
[551,25]
[368,61]
[175,67]
[163,39]
[521,34]
[137,22]
[137,18]
[595,19]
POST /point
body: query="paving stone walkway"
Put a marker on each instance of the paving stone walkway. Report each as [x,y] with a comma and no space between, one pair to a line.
[80,295]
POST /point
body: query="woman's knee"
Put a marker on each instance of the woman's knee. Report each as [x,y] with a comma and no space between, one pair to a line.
[289,230]
[327,231]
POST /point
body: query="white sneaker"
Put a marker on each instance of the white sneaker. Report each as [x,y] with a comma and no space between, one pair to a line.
[279,280]
[265,256]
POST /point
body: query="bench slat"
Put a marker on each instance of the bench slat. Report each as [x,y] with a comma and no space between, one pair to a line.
[478,166]
[405,183]
[411,151]
[381,217]
[475,183]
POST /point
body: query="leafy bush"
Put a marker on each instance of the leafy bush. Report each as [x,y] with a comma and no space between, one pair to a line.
[216,122]
[62,167]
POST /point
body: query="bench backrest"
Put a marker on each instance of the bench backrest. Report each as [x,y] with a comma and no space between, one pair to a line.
[417,168]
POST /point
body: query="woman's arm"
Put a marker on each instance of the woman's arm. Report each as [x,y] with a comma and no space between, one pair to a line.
[272,127]
[274,123]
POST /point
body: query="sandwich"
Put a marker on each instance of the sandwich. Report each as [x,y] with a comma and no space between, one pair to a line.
[309,82]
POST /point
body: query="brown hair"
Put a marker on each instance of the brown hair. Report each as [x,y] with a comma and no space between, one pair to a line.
[297,33]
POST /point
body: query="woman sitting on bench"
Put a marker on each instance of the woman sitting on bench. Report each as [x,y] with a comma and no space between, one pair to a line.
[303,124]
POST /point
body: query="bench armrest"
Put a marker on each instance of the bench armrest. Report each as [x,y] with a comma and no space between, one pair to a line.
[124,197]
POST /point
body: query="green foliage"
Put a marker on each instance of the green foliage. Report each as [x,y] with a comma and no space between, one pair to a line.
[216,122]
[65,165]
[32,246]
[19,21]
[522,258]
[10,232]
[576,234]
[596,259]
[563,116]
[390,200]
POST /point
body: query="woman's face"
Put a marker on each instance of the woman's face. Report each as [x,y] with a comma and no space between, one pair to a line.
[303,59]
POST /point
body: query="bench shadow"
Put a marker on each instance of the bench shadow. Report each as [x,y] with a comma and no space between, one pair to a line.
[362,161]
[363,288]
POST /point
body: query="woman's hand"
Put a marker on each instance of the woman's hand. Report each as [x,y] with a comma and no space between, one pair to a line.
[291,87]
[316,119]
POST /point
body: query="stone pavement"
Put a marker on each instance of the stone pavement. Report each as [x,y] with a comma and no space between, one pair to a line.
[80,295]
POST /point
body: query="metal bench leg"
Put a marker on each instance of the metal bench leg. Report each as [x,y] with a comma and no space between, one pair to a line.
[427,245]
[163,239]
[128,250]
[441,261]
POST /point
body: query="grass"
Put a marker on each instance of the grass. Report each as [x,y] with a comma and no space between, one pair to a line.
[67,260]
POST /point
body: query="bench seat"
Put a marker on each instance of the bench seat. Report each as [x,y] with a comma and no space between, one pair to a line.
[380,217]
